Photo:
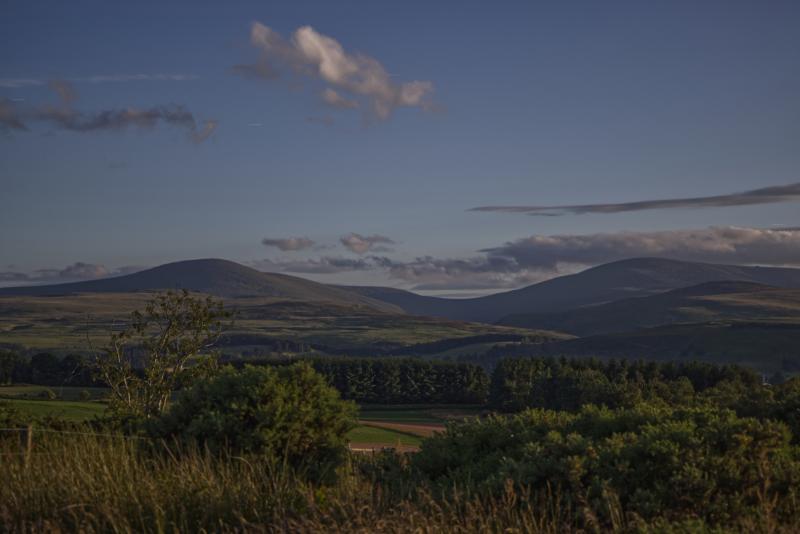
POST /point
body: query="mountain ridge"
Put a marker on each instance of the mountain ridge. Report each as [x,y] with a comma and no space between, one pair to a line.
[618,280]
[221,278]
[707,302]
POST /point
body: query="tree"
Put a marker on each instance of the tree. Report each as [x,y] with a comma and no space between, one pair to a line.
[286,412]
[163,347]
[10,365]
[45,369]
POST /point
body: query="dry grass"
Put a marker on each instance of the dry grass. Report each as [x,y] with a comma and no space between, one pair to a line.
[84,483]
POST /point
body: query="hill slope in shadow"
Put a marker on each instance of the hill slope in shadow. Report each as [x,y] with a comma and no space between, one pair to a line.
[605,283]
[710,301]
[221,278]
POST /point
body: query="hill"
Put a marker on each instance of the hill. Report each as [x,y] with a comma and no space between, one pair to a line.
[262,326]
[605,283]
[768,347]
[710,301]
[220,278]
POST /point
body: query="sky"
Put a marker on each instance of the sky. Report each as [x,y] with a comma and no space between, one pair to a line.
[446,147]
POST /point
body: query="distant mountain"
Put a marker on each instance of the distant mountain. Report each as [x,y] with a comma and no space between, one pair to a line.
[221,278]
[605,283]
[707,302]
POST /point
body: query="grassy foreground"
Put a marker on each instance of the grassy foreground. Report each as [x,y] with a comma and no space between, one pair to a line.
[89,483]
[94,484]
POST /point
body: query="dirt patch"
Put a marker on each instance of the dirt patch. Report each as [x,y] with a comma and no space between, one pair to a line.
[378,447]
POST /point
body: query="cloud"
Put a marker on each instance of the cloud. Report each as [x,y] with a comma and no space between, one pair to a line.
[311,54]
[334,99]
[324,265]
[361,244]
[766,195]
[288,243]
[64,90]
[532,259]
[72,273]
[14,117]
[724,244]
[204,131]
[9,116]
[103,78]
[16,83]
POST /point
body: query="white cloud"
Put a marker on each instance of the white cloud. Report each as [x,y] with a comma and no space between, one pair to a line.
[310,53]
[288,243]
[361,244]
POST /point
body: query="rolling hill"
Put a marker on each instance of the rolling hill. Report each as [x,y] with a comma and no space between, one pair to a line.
[220,278]
[707,302]
[274,312]
[605,283]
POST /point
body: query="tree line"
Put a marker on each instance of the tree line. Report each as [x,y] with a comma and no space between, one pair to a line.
[568,384]
[400,380]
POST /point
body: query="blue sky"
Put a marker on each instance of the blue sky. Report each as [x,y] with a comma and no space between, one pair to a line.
[525,103]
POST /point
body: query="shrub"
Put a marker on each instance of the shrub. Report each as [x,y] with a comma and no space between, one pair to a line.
[84,395]
[287,412]
[48,394]
[658,461]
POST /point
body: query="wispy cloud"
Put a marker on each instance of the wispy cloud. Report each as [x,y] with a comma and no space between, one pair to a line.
[765,195]
[288,243]
[360,244]
[72,273]
[16,83]
[324,265]
[334,99]
[65,117]
[311,54]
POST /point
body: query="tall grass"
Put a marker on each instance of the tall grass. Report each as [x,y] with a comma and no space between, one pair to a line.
[89,483]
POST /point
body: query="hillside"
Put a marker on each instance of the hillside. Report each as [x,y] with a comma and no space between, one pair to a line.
[605,283]
[67,323]
[711,301]
[220,278]
[768,347]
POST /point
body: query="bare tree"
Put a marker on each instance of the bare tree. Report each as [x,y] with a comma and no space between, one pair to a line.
[167,344]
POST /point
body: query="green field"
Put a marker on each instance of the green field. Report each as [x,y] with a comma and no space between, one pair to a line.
[67,410]
[382,436]
[416,413]
[16,396]
[67,393]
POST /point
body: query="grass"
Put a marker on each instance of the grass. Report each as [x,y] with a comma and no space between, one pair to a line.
[382,436]
[72,411]
[83,483]
[91,484]
[68,393]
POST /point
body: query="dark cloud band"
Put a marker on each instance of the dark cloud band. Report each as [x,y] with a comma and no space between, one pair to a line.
[766,195]
[63,116]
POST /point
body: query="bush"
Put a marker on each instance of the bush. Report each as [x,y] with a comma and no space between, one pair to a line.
[84,395]
[658,461]
[48,394]
[286,412]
